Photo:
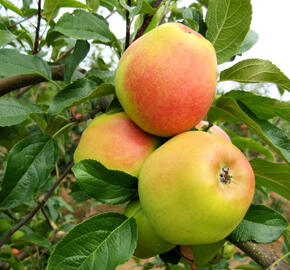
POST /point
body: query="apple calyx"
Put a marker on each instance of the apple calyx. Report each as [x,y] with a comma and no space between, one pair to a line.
[225,176]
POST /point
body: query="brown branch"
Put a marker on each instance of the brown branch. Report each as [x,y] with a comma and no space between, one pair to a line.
[46,218]
[23,91]
[164,13]
[128,25]
[7,213]
[37,208]
[260,254]
[36,42]
[147,20]
[12,83]
[64,54]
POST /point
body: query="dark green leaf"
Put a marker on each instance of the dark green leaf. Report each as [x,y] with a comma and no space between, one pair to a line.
[262,107]
[101,242]
[269,133]
[107,186]
[29,164]
[189,14]
[84,25]
[261,224]
[248,143]
[55,124]
[14,111]
[9,5]
[248,267]
[256,71]
[36,239]
[228,22]
[98,75]
[249,41]
[114,106]
[275,176]
[51,7]
[14,63]
[82,48]
[6,37]
[78,194]
[78,92]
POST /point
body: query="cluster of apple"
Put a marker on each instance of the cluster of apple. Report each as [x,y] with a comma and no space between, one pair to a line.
[196,187]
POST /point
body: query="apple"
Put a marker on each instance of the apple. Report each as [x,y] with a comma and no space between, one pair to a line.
[203,254]
[166,79]
[214,129]
[195,188]
[149,244]
[116,142]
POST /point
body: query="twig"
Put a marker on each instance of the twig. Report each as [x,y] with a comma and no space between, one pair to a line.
[128,25]
[36,42]
[186,252]
[37,208]
[47,218]
[64,54]
[147,20]
[277,122]
[15,24]
[12,83]
[7,213]
[165,12]
[260,254]
[23,91]
[113,11]
[86,117]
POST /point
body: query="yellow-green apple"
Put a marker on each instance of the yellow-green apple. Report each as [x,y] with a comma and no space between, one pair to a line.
[149,244]
[166,79]
[195,188]
[116,142]
[214,129]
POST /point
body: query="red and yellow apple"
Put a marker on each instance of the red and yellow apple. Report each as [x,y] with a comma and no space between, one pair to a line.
[195,188]
[166,79]
[214,129]
[149,244]
[116,142]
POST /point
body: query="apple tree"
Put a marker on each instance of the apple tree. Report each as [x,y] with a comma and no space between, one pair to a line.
[57,73]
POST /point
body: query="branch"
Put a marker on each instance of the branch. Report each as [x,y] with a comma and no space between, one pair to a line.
[147,20]
[64,54]
[260,254]
[13,83]
[15,24]
[36,42]
[46,218]
[37,208]
[128,24]
[23,91]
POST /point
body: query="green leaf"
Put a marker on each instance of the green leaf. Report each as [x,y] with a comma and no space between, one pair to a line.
[9,5]
[249,41]
[107,186]
[6,37]
[14,63]
[147,8]
[98,75]
[269,133]
[228,23]
[189,14]
[248,143]
[133,11]
[256,71]
[274,176]
[262,107]
[29,164]
[36,239]
[14,111]
[261,224]
[82,48]
[156,18]
[51,7]
[78,92]
[84,25]
[114,107]
[93,4]
[101,242]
